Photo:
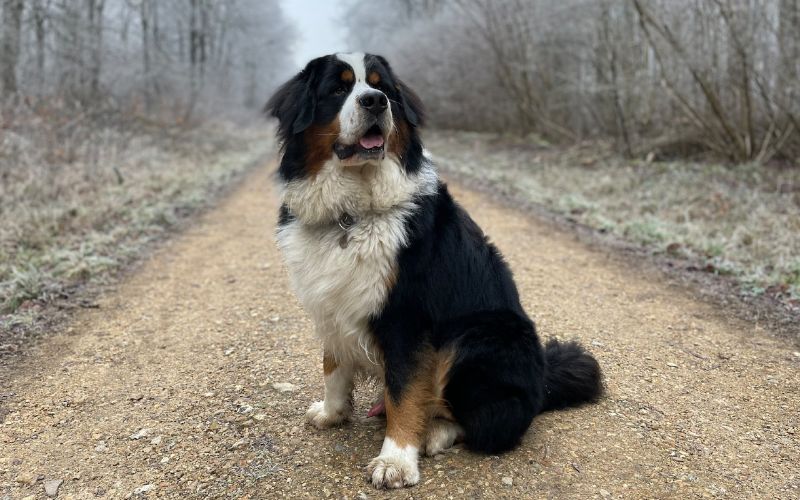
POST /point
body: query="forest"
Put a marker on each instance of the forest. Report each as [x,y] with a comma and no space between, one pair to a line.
[668,77]
[118,120]
[176,58]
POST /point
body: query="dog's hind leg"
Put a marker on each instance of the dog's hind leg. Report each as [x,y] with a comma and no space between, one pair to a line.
[495,384]
[443,431]
[442,434]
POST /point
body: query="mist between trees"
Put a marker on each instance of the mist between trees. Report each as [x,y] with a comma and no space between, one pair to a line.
[179,58]
[668,77]
[118,120]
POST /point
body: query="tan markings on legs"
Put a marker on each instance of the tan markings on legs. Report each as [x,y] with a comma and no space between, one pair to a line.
[328,364]
[421,400]
[337,405]
[442,429]
[441,376]
[407,420]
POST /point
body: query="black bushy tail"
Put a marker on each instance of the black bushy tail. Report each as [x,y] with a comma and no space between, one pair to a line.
[572,377]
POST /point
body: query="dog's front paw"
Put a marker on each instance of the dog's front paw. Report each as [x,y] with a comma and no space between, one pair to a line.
[394,470]
[322,418]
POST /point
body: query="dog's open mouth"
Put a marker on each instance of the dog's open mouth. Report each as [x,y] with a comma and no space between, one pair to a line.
[369,147]
[372,140]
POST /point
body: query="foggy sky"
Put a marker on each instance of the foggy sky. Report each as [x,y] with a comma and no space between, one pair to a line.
[319,26]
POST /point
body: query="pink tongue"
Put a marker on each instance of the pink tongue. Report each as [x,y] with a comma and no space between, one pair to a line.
[379,407]
[372,141]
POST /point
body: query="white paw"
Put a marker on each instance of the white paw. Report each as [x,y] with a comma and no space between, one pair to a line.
[322,418]
[442,434]
[392,472]
[395,467]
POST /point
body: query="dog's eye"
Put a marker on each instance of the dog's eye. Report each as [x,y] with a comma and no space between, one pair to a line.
[341,90]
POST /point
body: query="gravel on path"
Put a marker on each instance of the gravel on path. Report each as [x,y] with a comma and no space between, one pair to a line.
[192,378]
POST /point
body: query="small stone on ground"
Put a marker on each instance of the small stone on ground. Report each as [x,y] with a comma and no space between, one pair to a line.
[143,490]
[51,487]
[284,387]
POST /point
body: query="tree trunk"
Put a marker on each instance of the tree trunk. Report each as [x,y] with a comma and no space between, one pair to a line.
[789,46]
[95,11]
[9,51]
[39,19]
[612,57]
[194,41]
[204,38]
[144,17]
[159,49]
[194,56]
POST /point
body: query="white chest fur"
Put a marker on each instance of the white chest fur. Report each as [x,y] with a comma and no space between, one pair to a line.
[342,287]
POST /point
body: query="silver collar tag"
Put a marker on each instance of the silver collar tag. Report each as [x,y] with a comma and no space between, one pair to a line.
[346,222]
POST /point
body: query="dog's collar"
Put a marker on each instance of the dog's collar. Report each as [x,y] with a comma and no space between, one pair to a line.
[345,222]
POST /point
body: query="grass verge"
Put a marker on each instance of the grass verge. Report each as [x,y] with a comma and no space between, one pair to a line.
[78,206]
[739,221]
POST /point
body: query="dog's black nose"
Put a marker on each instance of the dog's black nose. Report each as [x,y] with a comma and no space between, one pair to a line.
[373,101]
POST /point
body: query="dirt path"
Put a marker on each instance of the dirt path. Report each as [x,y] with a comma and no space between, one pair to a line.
[175,385]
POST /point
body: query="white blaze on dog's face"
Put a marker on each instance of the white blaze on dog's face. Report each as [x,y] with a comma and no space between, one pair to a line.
[365,120]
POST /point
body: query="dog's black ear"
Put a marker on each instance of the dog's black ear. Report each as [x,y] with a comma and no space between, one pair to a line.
[412,104]
[294,102]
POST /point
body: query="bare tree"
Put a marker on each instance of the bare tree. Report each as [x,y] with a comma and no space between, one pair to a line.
[94,10]
[40,9]
[654,75]
[178,58]
[9,51]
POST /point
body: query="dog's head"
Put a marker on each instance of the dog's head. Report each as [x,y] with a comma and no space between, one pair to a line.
[349,109]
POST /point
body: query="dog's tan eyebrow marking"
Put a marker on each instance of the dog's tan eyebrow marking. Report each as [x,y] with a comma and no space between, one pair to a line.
[347,76]
[374,78]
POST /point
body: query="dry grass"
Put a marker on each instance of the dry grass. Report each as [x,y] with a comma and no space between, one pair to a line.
[740,220]
[82,194]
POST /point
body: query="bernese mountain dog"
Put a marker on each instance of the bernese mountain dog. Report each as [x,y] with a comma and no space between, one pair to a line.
[402,285]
